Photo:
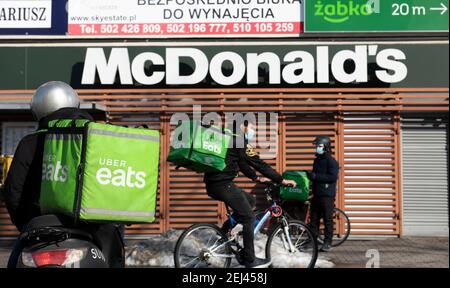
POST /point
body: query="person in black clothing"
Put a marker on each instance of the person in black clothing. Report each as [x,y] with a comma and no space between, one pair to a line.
[220,186]
[53,100]
[323,177]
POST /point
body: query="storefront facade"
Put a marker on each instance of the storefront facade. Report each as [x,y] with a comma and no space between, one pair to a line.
[369,97]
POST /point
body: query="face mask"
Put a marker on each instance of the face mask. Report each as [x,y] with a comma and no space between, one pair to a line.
[320,150]
[250,134]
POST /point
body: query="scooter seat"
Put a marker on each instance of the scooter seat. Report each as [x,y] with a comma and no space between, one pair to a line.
[53,224]
[46,221]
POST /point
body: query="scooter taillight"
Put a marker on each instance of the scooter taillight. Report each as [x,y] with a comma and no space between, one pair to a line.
[61,257]
[45,258]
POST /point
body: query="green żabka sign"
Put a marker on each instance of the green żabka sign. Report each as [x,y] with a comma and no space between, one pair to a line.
[376,15]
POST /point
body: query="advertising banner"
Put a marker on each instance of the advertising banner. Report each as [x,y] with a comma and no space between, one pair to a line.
[221,64]
[376,16]
[33,17]
[187,18]
[26,14]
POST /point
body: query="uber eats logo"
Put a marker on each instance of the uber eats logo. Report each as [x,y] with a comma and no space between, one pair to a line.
[53,169]
[212,147]
[342,11]
[212,143]
[118,173]
[294,190]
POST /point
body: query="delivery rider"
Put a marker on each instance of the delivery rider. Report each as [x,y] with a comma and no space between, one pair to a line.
[323,176]
[220,186]
[51,101]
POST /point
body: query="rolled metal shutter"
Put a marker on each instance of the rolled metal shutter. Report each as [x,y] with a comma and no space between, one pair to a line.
[425,176]
[370,164]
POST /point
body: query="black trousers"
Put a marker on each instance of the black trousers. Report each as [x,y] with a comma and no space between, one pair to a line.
[242,204]
[109,238]
[322,208]
[15,254]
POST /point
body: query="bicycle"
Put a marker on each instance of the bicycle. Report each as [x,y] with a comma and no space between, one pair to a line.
[205,245]
[341,224]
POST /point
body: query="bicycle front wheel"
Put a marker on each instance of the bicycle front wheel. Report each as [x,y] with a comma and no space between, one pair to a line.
[202,245]
[303,252]
[341,224]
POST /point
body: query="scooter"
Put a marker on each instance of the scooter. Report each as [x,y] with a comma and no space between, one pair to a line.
[52,241]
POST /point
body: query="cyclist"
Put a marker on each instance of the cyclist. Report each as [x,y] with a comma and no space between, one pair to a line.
[220,186]
[324,177]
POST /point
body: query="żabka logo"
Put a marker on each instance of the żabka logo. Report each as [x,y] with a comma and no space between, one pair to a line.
[119,174]
[339,12]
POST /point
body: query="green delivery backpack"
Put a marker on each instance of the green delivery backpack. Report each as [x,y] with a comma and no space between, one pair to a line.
[299,193]
[199,147]
[100,172]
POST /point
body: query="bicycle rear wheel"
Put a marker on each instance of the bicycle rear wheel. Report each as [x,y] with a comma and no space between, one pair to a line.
[202,246]
[305,246]
[342,232]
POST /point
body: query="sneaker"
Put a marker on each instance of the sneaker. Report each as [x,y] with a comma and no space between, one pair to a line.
[326,247]
[258,263]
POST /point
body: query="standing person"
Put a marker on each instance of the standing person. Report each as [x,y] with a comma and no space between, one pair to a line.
[51,101]
[323,177]
[220,186]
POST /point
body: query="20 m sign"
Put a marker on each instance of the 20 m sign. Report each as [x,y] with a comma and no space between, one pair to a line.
[376,15]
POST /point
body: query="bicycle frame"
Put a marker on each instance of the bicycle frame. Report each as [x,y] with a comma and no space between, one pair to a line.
[216,238]
[273,211]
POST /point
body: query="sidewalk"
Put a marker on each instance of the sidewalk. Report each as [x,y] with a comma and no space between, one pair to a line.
[408,252]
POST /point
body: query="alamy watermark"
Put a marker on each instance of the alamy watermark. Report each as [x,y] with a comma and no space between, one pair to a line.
[374,258]
[230,124]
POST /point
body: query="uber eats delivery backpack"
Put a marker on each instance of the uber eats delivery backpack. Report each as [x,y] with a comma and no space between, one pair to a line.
[299,193]
[199,147]
[99,172]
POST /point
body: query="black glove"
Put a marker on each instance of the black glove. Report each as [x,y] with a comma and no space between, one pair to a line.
[311,175]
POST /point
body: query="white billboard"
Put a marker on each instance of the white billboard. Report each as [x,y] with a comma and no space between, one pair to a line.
[19,14]
[186,18]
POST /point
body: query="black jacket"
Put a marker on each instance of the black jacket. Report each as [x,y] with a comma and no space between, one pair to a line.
[22,185]
[241,159]
[324,176]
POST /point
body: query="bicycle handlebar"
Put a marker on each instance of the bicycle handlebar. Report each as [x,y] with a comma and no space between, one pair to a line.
[270,183]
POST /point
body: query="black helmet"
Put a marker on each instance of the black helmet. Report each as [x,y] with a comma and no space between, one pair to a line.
[325,140]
